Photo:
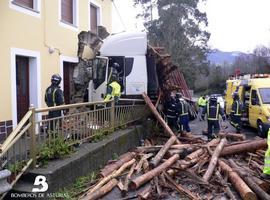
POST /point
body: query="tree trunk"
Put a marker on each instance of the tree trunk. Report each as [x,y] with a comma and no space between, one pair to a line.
[251,183]
[159,118]
[244,191]
[154,162]
[114,166]
[214,159]
[233,136]
[245,147]
[137,182]
[101,191]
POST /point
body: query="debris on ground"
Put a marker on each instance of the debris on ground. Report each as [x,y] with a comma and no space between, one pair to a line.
[173,166]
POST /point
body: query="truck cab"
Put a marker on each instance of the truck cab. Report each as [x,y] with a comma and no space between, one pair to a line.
[137,70]
[254,92]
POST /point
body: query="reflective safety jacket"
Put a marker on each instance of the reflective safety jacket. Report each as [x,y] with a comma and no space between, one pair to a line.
[266,167]
[170,109]
[202,102]
[114,90]
[213,110]
[54,96]
[237,108]
[181,107]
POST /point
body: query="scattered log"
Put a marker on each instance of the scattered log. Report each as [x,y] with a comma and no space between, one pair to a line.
[145,166]
[159,190]
[262,184]
[137,182]
[179,188]
[154,162]
[245,147]
[233,136]
[159,118]
[140,163]
[113,175]
[114,166]
[227,188]
[200,151]
[244,191]
[101,191]
[127,180]
[251,183]
[214,159]
[145,193]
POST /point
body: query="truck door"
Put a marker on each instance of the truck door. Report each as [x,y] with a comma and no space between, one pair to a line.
[254,108]
[99,84]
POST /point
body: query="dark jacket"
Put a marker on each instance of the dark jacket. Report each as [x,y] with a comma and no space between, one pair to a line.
[170,108]
[181,107]
[54,96]
[237,107]
[213,110]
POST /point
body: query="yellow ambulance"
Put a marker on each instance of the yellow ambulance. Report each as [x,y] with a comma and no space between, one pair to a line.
[254,92]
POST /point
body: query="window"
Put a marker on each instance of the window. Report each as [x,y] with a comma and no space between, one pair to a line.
[68,13]
[265,95]
[25,3]
[100,66]
[30,7]
[94,16]
[254,98]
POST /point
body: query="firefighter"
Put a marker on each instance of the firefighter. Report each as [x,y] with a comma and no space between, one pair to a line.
[170,112]
[213,110]
[201,103]
[236,112]
[266,167]
[182,110]
[113,89]
[54,97]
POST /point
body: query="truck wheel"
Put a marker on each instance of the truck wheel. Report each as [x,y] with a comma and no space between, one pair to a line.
[260,128]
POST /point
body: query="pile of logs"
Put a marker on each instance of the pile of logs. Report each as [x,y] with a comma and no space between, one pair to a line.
[227,167]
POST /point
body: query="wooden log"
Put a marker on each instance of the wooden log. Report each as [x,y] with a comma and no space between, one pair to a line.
[159,118]
[262,184]
[245,147]
[154,162]
[145,193]
[156,182]
[156,148]
[137,182]
[138,167]
[113,175]
[101,191]
[251,183]
[244,191]
[227,188]
[200,151]
[127,180]
[145,166]
[214,159]
[232,136]
[114,166]
[179,188]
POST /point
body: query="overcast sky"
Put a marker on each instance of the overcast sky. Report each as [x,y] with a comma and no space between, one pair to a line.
[235,25]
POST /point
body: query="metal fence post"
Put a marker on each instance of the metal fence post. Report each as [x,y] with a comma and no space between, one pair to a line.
[112,117]
[33,147]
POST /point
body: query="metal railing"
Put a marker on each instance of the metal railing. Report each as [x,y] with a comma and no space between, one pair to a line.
[81,122]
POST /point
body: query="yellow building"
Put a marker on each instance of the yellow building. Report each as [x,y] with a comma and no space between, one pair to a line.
[37,39]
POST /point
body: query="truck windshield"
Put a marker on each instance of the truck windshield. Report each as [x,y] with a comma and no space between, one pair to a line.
[265,95]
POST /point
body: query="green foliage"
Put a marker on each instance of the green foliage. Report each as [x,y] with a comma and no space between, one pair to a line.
[98,136]
[115,156]
[16,167]
[55,149]
[180,28]
[72,192]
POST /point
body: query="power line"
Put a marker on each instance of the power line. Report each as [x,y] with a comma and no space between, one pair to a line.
[117,11]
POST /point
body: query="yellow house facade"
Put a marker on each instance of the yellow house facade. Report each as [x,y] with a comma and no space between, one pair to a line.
[38,38]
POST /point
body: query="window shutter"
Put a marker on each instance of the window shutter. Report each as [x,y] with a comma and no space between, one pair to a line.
[25,3]
[67,11]
[93,19]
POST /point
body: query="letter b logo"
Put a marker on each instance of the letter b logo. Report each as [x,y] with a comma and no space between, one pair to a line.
[40,181]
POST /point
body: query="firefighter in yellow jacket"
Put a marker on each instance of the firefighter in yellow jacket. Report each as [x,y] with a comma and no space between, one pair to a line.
[266,168]
[113,90]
